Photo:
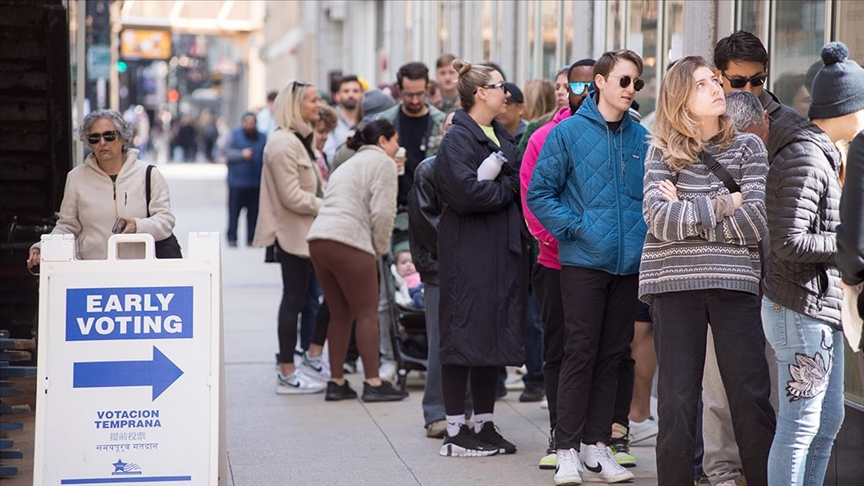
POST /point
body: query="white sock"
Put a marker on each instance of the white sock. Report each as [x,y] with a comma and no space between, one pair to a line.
[480,419]
[454,422]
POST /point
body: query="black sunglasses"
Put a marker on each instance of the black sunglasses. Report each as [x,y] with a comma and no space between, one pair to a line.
[500,84]
[739,82]
[624,82]
[295,85]
[109,136]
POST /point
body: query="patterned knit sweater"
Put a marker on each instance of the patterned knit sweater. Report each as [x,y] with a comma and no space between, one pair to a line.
[693,243]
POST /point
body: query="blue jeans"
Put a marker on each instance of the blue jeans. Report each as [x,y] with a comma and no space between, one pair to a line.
[810,387]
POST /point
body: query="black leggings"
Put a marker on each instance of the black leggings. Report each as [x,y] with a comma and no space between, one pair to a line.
[454,379]
[296,272]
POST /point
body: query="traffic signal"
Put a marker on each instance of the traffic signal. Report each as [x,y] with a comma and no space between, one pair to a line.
[121,67]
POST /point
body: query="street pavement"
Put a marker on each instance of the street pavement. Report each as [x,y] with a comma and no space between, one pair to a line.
[287,440]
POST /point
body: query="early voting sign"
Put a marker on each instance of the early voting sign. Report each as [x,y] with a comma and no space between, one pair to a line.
[130,359]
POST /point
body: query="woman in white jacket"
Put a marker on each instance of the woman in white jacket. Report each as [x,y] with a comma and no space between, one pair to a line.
[351,231]
[110,186]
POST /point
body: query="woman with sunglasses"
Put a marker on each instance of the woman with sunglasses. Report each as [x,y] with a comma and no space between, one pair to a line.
[291,191]
[705,208]
[482,259]
[106,194]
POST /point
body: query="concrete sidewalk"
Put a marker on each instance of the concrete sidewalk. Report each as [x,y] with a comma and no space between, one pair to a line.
[280,440]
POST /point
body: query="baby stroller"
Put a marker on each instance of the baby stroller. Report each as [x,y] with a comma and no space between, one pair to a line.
[408,325]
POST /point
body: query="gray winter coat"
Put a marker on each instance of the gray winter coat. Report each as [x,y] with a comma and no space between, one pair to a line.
[802,199]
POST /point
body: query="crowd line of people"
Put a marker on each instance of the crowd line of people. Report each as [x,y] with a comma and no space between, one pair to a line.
[548,227]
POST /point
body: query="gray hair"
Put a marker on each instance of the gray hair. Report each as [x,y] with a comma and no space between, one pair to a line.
[745,110]
[122,126]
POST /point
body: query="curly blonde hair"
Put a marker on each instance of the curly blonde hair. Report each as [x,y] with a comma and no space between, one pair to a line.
[676,133]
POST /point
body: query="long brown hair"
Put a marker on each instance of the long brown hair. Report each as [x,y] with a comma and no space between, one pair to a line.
[676,133]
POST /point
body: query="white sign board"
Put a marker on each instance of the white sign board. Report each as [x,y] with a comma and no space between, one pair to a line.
[129,366]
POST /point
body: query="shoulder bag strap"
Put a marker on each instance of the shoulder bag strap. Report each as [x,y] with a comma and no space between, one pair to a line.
[720,172]
[147,188]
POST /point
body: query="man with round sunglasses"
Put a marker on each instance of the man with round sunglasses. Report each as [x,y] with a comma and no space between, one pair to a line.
[586,191]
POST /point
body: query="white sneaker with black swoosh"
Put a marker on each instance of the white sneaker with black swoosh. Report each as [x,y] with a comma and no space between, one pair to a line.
[568,471]
[297,384]
[598,465]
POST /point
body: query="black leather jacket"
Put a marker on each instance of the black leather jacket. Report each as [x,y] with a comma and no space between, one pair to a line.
[424,212]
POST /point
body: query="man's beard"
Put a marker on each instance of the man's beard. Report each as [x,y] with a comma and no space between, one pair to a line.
[575,108]
[414,110]
[251,134]
[349,104]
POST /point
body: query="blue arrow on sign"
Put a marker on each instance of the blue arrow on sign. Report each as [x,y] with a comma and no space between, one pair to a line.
[159,373]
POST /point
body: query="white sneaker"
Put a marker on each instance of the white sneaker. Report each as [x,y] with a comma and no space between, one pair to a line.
[297,384]
[545,404]
[599,465]
[318,370]
[387,370]
[569,469]
[642,431]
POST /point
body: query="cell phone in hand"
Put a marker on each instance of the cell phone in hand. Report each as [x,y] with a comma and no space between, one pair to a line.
[119,226]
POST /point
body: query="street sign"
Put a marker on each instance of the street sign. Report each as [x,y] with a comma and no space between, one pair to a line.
[98,62]
[130,366]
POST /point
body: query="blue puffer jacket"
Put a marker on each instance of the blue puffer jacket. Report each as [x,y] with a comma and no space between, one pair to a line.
[587,191]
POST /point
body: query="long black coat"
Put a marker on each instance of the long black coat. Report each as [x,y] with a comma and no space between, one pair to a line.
[482,250]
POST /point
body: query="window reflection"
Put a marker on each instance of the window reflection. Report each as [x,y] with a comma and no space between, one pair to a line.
[798,37]
[642,38]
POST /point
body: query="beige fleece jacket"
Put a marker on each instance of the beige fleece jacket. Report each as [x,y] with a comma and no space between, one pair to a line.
[360,203]
[288,204]
[92,202]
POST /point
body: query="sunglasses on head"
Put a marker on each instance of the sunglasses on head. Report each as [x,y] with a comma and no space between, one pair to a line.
[578,88]
[624,82]
[295,85]
[109,136]
[738,82]
[500,84]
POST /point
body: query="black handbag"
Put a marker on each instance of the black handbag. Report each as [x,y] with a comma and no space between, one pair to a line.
[169,247]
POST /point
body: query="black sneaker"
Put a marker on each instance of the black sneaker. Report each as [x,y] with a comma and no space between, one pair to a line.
[335,392]
[534,392]
[385,392]
[489,434]
[466,444]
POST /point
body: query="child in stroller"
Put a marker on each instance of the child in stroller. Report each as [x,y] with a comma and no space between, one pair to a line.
[408,322]
[409,288]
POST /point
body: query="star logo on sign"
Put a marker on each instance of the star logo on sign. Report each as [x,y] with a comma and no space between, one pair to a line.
[119,465]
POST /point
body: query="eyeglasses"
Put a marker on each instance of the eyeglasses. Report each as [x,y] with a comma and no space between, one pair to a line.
[109,136]
[624,82]
[410,96]
[738,82]
[499,84]
[578,88]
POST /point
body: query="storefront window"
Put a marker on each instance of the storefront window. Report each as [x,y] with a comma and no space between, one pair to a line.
[752,17]
[795,45]
[568,33]
[642,38]
[615,25]
[549,34]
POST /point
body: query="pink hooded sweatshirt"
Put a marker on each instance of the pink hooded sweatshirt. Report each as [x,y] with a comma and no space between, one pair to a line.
[548,256]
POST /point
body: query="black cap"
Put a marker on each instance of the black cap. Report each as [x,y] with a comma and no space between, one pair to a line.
[515,93]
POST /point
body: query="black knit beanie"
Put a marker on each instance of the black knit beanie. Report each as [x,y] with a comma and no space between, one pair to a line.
[838,88]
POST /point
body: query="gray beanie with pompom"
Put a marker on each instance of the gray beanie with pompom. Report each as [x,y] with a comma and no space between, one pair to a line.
[838,88]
